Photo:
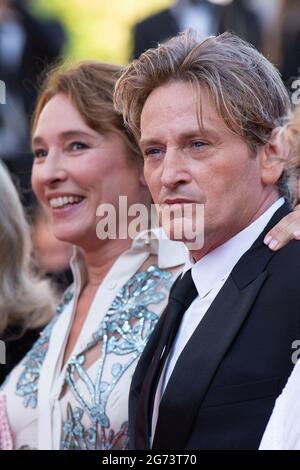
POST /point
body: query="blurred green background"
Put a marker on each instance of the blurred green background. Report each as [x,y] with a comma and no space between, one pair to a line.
[99,29]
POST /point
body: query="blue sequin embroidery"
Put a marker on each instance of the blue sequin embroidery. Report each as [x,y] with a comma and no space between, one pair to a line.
[27,385]
[124,331]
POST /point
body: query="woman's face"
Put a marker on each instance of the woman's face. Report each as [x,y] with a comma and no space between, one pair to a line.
[76,169]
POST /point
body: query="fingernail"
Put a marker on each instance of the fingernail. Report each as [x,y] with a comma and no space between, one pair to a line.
[297,234]
[273,244]
[267,239]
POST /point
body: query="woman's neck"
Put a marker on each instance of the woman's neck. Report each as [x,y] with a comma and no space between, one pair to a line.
[98,261]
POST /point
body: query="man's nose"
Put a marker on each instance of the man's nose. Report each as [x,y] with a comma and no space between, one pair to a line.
[174,171]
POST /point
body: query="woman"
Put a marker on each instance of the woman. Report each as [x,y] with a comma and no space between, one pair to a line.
[71,391]
[283,430]
[26,301]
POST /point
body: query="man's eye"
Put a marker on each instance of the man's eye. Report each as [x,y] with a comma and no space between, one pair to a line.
[198,144]
[152,152]
[40,153]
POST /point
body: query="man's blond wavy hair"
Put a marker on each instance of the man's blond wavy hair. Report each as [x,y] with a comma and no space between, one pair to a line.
[90,86]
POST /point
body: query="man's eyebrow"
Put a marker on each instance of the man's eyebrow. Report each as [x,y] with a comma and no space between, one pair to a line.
[67,134]
[200,132]
[190,134]
[145,142]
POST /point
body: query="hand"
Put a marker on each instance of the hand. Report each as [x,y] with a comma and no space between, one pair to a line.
[287,229]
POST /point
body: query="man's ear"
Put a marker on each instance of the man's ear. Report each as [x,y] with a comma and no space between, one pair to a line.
[274,156]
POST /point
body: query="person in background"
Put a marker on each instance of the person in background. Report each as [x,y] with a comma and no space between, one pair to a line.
[290,41]
[238,17]
[203,16]
[27,47]
[51,255]
[27,302]
[289,227]
[283,430]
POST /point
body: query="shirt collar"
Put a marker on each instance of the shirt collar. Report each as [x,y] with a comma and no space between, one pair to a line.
[218,264]
[169,253]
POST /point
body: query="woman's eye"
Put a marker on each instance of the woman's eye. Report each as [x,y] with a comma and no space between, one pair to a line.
[40,153]
[78,146]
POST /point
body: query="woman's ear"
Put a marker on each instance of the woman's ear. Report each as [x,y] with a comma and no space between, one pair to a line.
[274,156]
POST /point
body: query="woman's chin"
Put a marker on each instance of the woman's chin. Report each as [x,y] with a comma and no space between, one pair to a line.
[70,234]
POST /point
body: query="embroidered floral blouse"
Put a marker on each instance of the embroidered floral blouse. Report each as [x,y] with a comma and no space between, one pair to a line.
[84,404]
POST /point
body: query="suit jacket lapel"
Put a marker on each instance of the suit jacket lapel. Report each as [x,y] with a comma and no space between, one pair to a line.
[199,360]
[143,387]
[153,360]
[209,343]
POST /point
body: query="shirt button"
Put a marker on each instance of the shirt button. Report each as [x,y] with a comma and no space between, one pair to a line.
[147,242]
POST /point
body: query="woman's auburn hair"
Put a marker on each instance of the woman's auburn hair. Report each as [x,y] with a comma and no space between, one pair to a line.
[90,86]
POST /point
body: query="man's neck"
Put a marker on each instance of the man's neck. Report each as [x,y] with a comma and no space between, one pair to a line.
[212,242]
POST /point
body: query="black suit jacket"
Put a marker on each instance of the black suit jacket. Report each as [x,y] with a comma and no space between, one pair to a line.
[153,30]
[163,25]
[17,344]
[225,382]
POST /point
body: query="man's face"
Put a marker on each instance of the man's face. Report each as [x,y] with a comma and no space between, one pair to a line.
[208,165]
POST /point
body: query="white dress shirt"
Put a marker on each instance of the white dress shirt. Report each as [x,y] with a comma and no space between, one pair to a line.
[283,429]
[209,275]
[199,17]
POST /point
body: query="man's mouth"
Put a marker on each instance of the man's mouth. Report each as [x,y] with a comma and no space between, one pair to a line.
[177,200]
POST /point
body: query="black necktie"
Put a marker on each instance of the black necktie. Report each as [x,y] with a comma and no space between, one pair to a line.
[181,296]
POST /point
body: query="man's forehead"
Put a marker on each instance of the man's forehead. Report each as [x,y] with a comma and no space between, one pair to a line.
[166,92]
[179,95]
[177,105]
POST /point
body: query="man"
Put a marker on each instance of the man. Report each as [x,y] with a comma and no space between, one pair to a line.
[207,114]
